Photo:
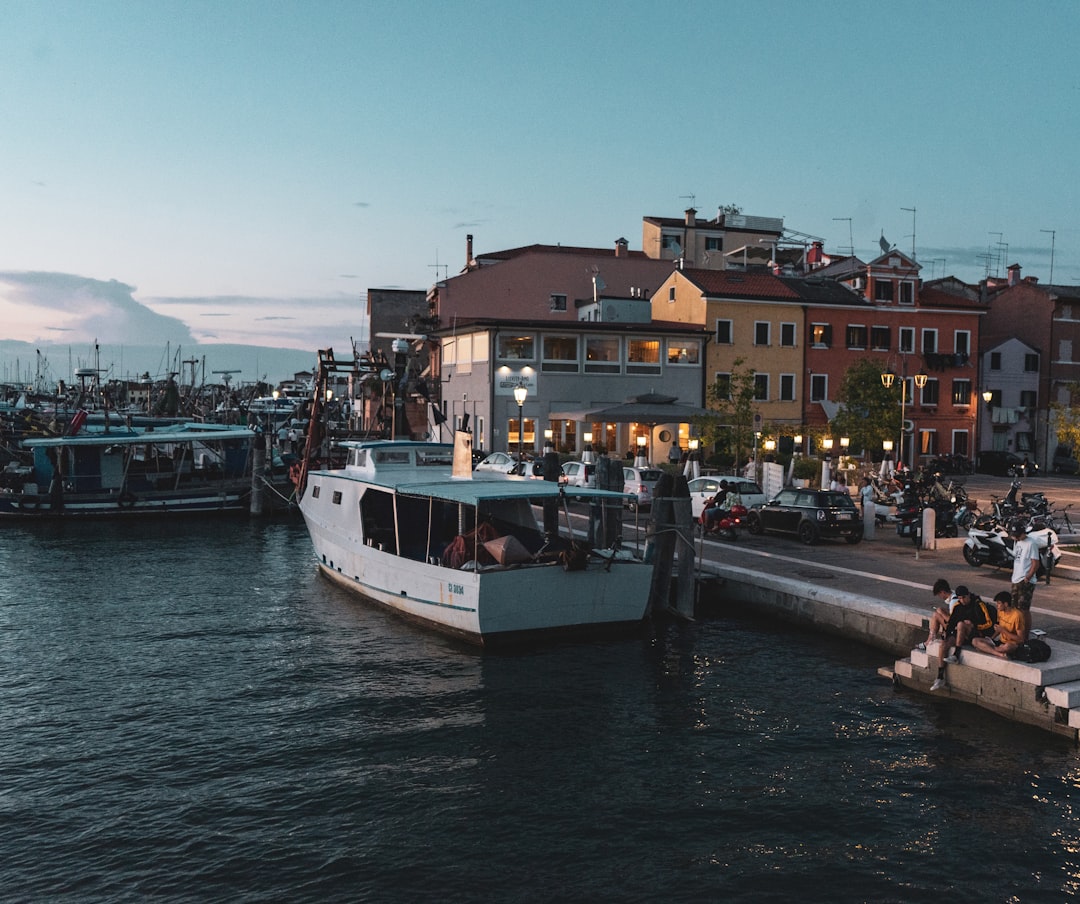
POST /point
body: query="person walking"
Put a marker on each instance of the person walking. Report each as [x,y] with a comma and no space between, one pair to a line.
[1025,567]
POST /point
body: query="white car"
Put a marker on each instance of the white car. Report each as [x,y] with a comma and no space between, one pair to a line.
[579,474]
[641,482]
[500,462]
[702,490]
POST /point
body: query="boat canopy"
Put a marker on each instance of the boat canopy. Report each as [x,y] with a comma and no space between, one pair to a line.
[186,433]
[473,492]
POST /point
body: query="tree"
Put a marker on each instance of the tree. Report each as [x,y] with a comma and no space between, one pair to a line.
[1067,419]
[869,412]
[733,398]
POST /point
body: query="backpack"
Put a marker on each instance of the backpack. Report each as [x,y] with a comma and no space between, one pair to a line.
[1034,650]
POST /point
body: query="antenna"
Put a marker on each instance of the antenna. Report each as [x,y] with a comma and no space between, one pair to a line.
[851,239]
[437,265]
[226,375]
[1053,239]
[911,210]
[692,198]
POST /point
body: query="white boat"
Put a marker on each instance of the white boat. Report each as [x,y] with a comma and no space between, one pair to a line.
[468,555]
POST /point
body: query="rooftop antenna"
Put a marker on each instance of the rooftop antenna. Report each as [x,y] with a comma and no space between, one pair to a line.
[692,198]
[933,263]
[995,257]
[851,238]
[911,210]
[1053,238]
[437,265]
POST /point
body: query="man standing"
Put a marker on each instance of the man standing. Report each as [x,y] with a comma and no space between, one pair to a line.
[1025,567]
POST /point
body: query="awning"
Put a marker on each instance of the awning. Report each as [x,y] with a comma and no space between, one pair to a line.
[647,409]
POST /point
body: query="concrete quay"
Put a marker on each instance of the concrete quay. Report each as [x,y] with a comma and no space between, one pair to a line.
[879,593]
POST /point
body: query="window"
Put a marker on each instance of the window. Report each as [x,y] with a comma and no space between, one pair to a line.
[601,355]
[683,351]
[907,339]
[643,356]
[961,392]
[962,342]
[723,386]
[1031,363]
[930,393]
[929,342]
[761,332]
[819,387]
[995,398]
[336,498]
[787,387]
[670,242]
[761,387]
[928,442]
[995,360]
[560,354]
[671,293]
[960,442]
[787,335]
[880,337]
[723,332]
[821,335]
[1028,398]
[907,293]
[558,302]
[856,336]
[883,290]
[714,243]
[511,347]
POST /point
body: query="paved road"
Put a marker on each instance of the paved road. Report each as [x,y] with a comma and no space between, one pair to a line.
[888,568]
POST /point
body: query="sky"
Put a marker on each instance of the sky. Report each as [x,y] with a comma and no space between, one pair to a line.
[246,171]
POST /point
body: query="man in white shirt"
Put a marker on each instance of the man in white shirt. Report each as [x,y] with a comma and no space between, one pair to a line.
[1025,568]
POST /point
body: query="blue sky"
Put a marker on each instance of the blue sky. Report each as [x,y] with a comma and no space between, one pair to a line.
[250,169]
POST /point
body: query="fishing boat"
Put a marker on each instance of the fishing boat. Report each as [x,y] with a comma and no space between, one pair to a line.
[487,559]
[125,470]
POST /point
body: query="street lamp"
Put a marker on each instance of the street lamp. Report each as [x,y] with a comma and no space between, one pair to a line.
[642,460]
[826,465]
[520,392]
[587,452]
[887,380]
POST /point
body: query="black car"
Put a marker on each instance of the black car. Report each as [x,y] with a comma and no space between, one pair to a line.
[1005,464]
[1064,461]
[809,514]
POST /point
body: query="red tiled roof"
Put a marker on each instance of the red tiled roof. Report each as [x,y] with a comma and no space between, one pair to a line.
[747,283]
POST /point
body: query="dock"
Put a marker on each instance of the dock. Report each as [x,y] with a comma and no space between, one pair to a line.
[879,593]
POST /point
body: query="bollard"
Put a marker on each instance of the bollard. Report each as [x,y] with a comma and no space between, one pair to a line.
[929,528]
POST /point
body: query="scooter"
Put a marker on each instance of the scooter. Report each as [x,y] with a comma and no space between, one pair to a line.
[990,544]
[725,523]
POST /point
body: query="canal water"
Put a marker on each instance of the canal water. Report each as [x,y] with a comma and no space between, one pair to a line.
[191,714]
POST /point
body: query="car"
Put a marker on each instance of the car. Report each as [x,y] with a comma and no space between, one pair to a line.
[500,462]
[1004,464]
[579,474]
[1064,462]
[640,483]
[702,490]
[809,514]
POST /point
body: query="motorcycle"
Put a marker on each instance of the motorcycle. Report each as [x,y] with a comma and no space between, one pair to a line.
[724,523]
[988,543]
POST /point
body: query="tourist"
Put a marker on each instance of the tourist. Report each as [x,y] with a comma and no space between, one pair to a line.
[866,495]
[674,454]
[971,618]
[1025,567]
[1013,625]
[939,617]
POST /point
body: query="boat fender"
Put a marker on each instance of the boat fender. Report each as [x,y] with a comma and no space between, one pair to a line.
[29,502]
[126,499]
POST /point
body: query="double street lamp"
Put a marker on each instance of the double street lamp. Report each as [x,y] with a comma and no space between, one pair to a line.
[887,380]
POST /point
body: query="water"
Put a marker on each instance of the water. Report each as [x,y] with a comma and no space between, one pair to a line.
[190,713]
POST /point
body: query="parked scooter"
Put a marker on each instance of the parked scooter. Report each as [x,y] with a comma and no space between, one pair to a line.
[724,523]
[989,543]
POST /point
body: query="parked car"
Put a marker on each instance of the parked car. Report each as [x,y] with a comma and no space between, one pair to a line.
[500,462]
[1064,462]
[702,489]
[809,514]
[641,483]
[1004,464]
[579,474]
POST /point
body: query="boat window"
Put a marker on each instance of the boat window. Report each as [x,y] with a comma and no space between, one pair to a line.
[315,491]
[337,497]
[434,457]
[392,456]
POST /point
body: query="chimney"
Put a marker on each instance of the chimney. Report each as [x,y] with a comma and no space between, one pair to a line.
[620,247]
[691,216]
[468,251]
[1014,274]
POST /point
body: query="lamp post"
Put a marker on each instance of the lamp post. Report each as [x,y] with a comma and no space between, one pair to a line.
[845,441]
[642,460]
[826,465]
[587,452]
[887,446]
[520,392]
[988,398]
[887,380]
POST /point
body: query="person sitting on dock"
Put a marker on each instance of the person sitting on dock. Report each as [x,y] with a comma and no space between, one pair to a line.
[939,618]
[1013,625]
[970,618]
